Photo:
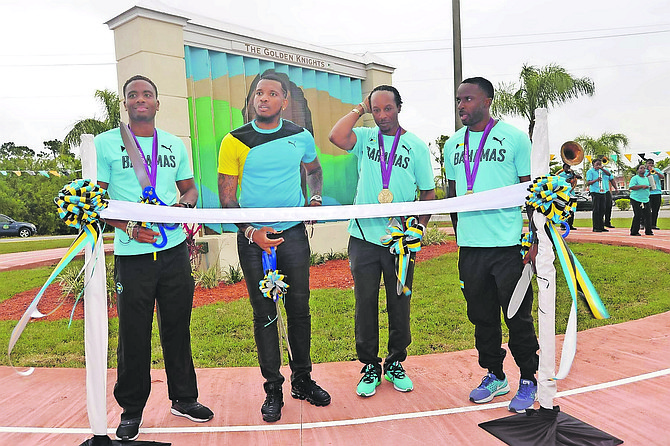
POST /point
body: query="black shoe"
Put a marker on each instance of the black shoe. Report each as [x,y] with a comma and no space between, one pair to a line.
[129,430]
[194,411]
[609,226]
[636,234]
[306,389]
[274,401]
[656,228]
[604,230]
[572,228]
[648,233]
[597,230]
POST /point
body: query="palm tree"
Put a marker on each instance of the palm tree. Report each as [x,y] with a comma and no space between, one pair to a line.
[607,144]
[542,87]
[93,126]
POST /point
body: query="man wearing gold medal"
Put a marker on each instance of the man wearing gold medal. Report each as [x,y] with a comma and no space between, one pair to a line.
[488,154]
[393,166]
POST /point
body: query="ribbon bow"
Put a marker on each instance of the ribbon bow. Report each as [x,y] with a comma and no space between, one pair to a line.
[79,205]
[149,196]
[402,242]
[550,196]
[274,287]
[80,202]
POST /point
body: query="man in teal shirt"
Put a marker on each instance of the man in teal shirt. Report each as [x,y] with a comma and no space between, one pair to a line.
[407,171]
[147,275]
[488,154]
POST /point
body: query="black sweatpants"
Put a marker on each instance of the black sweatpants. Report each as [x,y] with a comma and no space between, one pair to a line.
[488,278]
[164,279]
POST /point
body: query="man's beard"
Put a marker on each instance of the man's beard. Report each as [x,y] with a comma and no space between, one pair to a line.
[267,119]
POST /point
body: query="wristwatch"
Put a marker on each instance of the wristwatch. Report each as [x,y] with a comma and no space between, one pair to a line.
[186,204]
[316,198]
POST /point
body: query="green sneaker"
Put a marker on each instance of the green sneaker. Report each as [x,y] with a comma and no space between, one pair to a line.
[371,379]
[396,374]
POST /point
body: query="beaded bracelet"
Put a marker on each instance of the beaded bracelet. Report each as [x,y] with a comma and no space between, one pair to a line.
[130,228]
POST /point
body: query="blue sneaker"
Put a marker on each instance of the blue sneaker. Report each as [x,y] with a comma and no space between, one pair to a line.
[489,388]
[396,374]
[524,398]
[371,379]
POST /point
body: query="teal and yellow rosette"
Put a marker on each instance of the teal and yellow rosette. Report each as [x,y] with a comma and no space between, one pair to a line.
[79,205]
[551,196]
[273,286]
[402,241]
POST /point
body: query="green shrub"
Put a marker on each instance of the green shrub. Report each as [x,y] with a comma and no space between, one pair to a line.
[72,281]
[623,204]
[233,275]
[209,278]
[433,236]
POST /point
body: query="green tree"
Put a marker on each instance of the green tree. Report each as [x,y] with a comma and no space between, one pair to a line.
[56,149]
[30,196]
[11,150]
[112,110]
[542,87]
[608,144]
[438,156]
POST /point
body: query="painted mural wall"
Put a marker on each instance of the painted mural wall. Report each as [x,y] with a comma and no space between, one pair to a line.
[219,86]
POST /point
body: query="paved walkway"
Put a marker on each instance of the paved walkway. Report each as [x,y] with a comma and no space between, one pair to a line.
[617,383]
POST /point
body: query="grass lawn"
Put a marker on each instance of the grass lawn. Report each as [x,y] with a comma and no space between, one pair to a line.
[10,246]
[222,334]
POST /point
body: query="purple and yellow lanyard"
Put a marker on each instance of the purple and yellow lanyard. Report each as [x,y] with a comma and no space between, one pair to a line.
[471,175]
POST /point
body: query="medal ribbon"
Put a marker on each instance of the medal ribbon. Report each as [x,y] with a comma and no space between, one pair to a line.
[470,175]
[151,172]
[386,167]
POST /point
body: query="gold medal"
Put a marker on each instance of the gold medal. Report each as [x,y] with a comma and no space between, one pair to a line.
[469,192]
[385,196]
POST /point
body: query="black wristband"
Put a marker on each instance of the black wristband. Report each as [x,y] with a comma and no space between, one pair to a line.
[186,204]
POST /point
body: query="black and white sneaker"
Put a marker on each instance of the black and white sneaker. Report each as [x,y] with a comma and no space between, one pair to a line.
[129,430]
[194,411]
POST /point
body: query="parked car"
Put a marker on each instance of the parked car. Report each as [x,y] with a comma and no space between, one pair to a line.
[584,202]
[621,193]
[665,197]
[9,226]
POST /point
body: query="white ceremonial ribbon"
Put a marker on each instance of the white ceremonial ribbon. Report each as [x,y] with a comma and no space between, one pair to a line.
[504,197]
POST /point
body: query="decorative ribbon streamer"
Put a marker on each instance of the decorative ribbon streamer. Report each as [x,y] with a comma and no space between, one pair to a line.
[550,196]
[80,203]
[402,242]
[504,197]
[274,287]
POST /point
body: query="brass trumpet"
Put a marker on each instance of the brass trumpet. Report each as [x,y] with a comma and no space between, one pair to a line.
[572,153]
[604,160]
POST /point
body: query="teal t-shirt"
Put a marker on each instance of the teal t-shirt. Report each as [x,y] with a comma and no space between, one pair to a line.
[505,158]
[594,174]
[411,171]
[115,168]
[641,195]
[267,165]
[657,180]
[606,181]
